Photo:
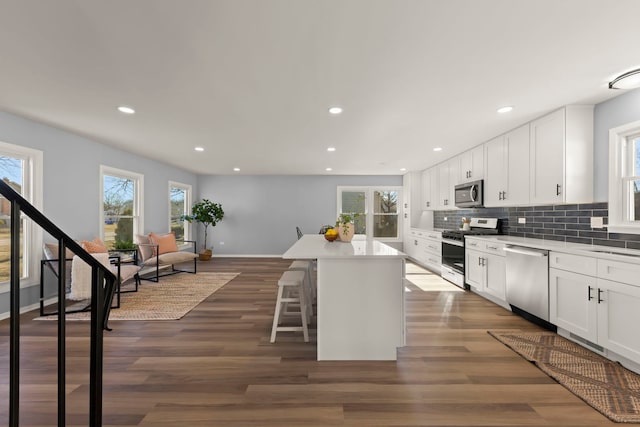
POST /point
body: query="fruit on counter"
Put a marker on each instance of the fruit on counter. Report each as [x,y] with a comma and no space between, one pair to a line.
[331,234]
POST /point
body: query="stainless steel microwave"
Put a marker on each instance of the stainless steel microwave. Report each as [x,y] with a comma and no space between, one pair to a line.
[470,194]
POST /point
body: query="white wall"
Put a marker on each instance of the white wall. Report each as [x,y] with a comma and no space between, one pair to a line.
[615,112]
[262,212]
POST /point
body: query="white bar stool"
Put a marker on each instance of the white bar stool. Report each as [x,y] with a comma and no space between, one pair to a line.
[290,281]
[307,267]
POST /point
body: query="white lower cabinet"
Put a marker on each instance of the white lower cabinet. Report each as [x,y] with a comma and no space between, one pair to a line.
[425,248]
[485,268]
[602,311]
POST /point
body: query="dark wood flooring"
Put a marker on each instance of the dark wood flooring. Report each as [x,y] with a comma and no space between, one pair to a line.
[216,367]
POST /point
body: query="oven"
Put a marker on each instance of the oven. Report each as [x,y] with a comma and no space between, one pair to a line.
[453,261]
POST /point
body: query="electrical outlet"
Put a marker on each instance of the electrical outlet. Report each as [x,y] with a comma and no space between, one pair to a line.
[522,220]
[597,222]
[445,218]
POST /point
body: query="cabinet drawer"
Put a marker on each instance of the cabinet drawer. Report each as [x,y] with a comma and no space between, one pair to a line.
[619,271]
[433,236]
[433,260]
[433,247]
[473,244]
[494,248]
[574,263]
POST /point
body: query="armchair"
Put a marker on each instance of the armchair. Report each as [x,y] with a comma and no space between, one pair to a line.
[161,252]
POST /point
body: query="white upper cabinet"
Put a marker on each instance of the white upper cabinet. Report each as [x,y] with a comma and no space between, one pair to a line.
[447,180]
[429,189]
[507,169]
[561,156]
[472,164]
[411,184]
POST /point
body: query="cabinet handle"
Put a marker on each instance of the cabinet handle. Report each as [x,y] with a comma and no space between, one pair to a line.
[479,261]
[406,205]
[492,247]
[472,244]
[504,195]
[558,189]
[415,242]
[428,204]
[406,215]
[589,297]
[599,293]
[500,195]
[484,262]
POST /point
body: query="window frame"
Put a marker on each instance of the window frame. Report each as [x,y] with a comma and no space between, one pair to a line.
[369,208]
[188,229]
[32,176]
[619,173]
[138,196]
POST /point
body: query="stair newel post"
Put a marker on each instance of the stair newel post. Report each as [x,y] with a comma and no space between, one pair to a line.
[14,325]
[62,334]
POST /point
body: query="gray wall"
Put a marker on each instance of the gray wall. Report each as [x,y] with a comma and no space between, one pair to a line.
[615,112]
[262,212]
[71,181]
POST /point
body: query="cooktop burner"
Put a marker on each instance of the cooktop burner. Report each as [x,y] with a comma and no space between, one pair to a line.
[478,226]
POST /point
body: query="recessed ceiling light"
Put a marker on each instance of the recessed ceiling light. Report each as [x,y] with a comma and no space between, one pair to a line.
[236,169]
[126,110]
[505,109]
[199,149]
[331,149]
[437,149]
[335,110]
[403,169]
[328,169]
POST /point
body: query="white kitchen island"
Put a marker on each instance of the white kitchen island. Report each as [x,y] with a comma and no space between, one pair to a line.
[360,301]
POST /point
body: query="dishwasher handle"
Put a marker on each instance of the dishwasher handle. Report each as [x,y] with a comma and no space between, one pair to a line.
[525,251]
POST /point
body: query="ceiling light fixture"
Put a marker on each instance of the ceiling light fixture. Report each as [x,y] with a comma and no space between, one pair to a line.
[335,110]
[236,169]
[331,149]
[437,149]
[506,109]
[199,149]
[403,169]
[126,110]
[328,169]
[628,80]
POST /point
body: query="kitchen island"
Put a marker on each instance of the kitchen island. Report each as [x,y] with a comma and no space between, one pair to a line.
[360,297]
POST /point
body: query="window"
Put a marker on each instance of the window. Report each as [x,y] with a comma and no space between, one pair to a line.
[179,205]
[21,168]
[624,179]
[121,207]
[377,209]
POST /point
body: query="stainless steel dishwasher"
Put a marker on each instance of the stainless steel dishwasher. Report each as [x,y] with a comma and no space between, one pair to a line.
[528,282]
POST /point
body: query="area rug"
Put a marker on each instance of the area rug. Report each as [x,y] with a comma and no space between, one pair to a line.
[605,385]
[170,299]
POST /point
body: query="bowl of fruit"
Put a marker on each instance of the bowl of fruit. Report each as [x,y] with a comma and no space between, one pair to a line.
[331,234]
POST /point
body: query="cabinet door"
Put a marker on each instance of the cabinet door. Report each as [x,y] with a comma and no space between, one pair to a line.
[517,141]
[495,182]
[496,276]
[443,184]
[426,203]
[547,158]
[473,269]
[618,317]
[454,171]
[435,188]
[573,303]
[472,164]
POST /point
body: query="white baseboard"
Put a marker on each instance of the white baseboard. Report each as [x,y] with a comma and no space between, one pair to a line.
[28,308]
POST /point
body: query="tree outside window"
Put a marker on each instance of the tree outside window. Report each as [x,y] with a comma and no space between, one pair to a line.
[179,205]
[121,192]
[377,209]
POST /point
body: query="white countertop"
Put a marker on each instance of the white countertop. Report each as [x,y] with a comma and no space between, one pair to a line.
[608,252]
[315,246]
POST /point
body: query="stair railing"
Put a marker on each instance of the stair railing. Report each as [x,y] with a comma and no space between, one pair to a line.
[103,285]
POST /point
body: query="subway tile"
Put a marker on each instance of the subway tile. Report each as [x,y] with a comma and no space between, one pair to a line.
[566,219]
[584,240]
[633,245]
[554,225]
[579,213]
[573,233]
[565,207]
[624,236]
[600,205]
[594,234]
[613,243]
[552,237]
[600,212]
[543,208]
[586,227]
[555,213]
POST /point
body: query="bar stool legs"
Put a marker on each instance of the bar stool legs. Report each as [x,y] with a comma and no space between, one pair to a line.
[291,289]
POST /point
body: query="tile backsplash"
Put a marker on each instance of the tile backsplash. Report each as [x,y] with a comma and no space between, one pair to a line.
[567,223]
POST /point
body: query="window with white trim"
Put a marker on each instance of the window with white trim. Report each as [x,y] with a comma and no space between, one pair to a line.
[21,168]
[624,179]
[121,206]
[179,206]
[377,210]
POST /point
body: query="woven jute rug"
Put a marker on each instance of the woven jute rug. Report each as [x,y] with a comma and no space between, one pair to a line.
[170,299]
[605,385]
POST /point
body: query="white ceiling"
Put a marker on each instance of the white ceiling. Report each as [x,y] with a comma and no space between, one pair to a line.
[251,80]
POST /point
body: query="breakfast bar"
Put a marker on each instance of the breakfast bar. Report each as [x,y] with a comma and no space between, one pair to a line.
[360,297]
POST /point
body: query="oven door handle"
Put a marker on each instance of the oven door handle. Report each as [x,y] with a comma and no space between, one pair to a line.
[452,242]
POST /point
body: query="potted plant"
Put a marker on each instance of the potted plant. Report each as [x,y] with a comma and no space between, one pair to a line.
[345,226]
[208,214]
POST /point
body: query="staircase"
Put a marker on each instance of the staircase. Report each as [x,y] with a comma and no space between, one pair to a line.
[103,285]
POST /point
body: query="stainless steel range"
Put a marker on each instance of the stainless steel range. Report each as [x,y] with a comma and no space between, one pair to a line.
[453,247]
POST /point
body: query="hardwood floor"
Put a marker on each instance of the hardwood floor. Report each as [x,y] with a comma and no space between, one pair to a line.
[216,367]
